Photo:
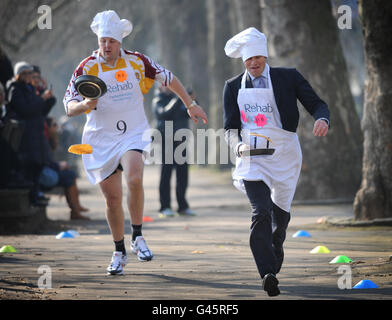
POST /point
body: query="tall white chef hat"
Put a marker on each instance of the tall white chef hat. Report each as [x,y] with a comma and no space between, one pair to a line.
[246,44]
[108,24]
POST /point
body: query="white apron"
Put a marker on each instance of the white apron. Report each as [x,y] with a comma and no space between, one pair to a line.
[280,171]
[117,125]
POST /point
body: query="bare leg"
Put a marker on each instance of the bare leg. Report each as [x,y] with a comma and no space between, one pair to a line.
[72,196]
[82,209]
[133,165]
[112,191]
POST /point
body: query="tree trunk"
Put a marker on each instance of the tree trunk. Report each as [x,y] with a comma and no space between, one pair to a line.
[195,50]
[219,65]
[168,22]
[374,199]
[243,14]
[181,30]
[303,34]
[248,14]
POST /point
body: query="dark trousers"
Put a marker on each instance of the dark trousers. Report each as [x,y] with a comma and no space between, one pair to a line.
[181,180]
[268,228]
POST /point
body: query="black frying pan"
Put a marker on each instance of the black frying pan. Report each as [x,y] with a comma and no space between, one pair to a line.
[258,151]
[90,87]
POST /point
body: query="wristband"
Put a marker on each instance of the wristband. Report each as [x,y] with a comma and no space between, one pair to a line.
[193,104]
[325,120]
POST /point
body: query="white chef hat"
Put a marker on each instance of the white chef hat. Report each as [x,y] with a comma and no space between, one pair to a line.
[246,44]
[108,24]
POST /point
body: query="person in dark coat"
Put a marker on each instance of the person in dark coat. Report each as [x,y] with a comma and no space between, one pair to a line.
[171,113]
[7,154]
[6,71]
[31,109]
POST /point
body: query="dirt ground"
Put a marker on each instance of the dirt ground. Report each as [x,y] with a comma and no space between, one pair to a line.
[201,257]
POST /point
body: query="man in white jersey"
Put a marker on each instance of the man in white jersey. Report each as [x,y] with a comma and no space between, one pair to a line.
[117,127]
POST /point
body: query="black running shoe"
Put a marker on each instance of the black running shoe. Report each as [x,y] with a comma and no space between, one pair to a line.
[270,284]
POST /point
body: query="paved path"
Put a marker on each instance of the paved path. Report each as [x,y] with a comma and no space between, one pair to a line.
[202,257]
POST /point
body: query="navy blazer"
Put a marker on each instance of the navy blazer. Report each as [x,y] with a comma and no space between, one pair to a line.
[288,86]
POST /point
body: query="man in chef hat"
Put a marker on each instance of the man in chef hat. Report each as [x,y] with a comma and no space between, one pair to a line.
[260,111]
[117,127]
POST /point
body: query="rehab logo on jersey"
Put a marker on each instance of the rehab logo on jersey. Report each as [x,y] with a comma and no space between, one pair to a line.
[120,87]
[120,91]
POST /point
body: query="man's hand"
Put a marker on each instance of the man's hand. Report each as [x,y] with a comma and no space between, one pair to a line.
[47,94]
[75,108]
[195,111]
[320,128]
[90,104]
[243,147]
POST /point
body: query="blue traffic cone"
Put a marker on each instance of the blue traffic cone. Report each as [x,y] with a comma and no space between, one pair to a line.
[74,233]
[365,284]
[64,234]
[301,233]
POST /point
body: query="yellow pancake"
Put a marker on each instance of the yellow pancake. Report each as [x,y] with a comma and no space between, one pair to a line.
[80,149]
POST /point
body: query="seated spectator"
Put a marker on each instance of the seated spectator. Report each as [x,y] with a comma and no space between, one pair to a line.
[30,109]
[68,134]
[66,176]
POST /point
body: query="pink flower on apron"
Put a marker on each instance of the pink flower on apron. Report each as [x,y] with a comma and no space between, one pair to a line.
[260,120]
[243,116]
